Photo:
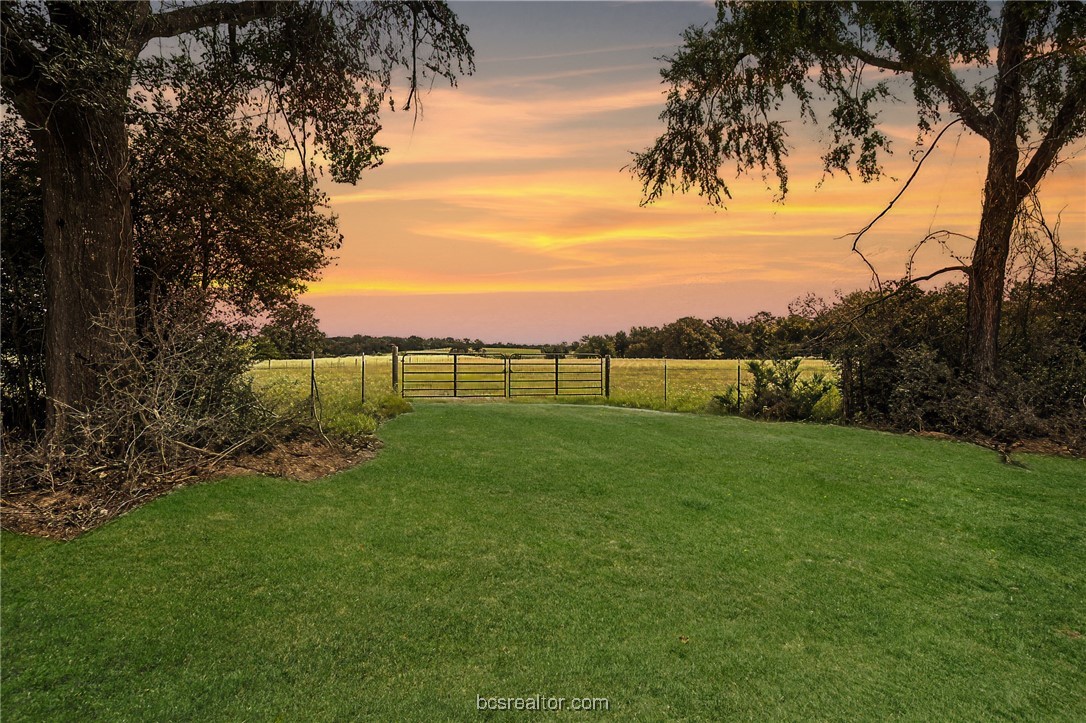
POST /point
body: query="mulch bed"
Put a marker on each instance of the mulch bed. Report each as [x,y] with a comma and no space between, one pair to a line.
[68,510]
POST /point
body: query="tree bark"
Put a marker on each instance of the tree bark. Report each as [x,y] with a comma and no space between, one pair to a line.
[89,254]
[989,267]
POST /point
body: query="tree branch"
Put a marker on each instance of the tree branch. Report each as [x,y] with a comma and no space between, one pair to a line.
[193,17]
[1059,133]
[938,72]
[21,60]
[964,268]
[859,234]
[870,58]
[20,74]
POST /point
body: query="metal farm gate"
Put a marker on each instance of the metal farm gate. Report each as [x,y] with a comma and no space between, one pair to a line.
[476,374]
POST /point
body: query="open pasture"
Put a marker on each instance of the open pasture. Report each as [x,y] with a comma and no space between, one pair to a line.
[690,384]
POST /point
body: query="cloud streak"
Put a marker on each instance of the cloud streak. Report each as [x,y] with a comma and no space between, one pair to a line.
[512,185]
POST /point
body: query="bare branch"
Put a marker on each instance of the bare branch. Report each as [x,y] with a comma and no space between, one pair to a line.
[859,234]
[963,268]
[193,17]
[941,237]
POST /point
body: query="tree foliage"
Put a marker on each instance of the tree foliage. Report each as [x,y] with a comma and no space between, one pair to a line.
[293,331]
[215,210]
[729,83]
[219,224]
[311,76]
[22,281]
[1016,79]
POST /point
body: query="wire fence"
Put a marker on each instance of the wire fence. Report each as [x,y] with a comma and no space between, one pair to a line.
[673,384]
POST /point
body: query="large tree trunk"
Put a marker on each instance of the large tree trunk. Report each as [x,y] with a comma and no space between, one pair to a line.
[989,267]
[89,254]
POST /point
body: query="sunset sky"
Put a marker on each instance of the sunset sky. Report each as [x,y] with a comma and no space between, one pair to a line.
[504,214]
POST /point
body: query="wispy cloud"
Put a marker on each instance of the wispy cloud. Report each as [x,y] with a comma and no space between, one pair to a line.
[512,184]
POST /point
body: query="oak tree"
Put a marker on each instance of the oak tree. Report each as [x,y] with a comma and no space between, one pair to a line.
[314,72]
[1013,73]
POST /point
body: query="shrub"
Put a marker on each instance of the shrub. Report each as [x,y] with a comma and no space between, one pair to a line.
[828,408]
[175,399]
[900,362]
[725,403]
[778,393]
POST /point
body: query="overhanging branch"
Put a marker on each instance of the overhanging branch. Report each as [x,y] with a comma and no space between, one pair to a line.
[859,234]
[870,58]
[193,17]
[937,71]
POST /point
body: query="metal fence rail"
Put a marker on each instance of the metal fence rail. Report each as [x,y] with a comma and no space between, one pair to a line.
[541,376]
[429,375]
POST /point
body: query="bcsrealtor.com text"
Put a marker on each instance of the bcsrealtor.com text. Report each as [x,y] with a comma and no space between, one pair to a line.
[541,703]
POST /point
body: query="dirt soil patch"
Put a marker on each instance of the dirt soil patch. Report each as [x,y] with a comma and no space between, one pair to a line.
[1023,446]
[304,460]
[66,511]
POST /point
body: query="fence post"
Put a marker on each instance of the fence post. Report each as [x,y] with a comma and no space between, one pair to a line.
[846,389]
[738,385]
[506,369]
[313,384]
[556,374]
[665,380]
[395,368]
[607,376]
[362,381]
[456,357]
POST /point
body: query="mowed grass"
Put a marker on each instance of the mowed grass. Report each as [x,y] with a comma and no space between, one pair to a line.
[691,384]
[682,566]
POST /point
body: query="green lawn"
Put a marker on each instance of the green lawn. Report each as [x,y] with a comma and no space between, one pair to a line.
[682,566]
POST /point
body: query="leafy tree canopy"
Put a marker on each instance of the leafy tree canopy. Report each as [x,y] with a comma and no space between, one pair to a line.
[310,75]
[1013,74]
[215,210]
[730,82]
[313,73]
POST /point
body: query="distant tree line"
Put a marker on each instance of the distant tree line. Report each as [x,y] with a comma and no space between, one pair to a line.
[293,332]
[761,336]
[296,334]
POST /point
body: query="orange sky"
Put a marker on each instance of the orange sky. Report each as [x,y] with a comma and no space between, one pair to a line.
[504,213]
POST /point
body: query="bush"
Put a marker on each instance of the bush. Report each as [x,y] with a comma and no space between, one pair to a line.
[828,408]
[778,393]
[900,362]
[346,416]
[726,402]
[174,400]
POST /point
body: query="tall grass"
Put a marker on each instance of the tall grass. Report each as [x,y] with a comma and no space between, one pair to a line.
[340,404]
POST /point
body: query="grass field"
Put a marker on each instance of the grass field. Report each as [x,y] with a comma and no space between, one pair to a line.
[681,566]
[691,384]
